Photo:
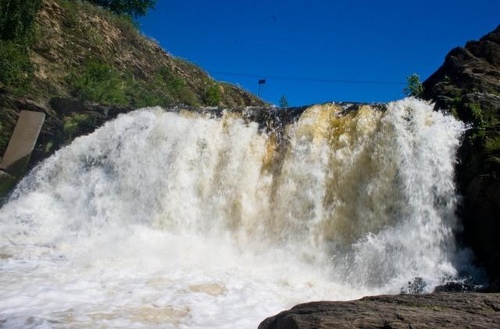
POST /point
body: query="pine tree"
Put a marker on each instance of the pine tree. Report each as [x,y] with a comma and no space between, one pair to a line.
[414,87]
[283,102]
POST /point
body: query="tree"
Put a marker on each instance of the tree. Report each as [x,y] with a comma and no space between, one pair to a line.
[283,102]
[132,8]
[16,18]
[414,87]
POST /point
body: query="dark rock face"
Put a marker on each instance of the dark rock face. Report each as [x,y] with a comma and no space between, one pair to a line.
[482,222]
[468,84]
[473,70]
[438,310]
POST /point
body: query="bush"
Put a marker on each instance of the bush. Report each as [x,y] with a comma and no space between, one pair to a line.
[141,94]
[177,87]
[212,96]
[492,145]
[17,18]
[16,70]
[16,35]
[99,82]
[476,114]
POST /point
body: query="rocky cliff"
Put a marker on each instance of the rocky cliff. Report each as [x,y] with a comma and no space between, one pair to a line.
[468,84]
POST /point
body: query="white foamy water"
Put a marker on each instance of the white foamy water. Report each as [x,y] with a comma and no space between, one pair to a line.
[170,220]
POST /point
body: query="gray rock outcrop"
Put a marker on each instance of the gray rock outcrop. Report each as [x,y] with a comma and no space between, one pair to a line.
[438,310]
[468,84]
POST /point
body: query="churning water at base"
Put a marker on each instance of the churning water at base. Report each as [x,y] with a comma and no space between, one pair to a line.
[171,220]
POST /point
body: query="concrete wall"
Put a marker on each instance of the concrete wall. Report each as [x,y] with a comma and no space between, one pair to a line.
[21,145]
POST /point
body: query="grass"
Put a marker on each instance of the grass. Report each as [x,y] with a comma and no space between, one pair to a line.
[212,95]
[476,113]
[16,36]
[492,145]
[98,82]
[74,122]
[15,67]
[86,52]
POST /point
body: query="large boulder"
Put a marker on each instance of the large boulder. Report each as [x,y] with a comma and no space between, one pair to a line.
[468,85]
[438,310]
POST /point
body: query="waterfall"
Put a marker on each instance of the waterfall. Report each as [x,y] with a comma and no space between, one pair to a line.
[185,220]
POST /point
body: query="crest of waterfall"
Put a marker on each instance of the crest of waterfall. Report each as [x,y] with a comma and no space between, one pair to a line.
[162,217]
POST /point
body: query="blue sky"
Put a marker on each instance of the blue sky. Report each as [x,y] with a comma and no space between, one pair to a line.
[316,51]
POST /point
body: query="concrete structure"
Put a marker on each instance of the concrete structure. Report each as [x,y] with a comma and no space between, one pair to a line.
[21,145]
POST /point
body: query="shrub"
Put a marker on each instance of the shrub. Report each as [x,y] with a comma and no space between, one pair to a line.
[212,96]
[175,86]
[16,70]
[17,18]
[476,113]
[414,86]
[16,35]
[492,145]
[99,82]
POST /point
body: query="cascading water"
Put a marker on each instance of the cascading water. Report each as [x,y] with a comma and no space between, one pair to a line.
[183,221]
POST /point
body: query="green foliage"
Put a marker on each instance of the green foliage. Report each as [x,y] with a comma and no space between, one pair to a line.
[16,70]
[17,18]
[476,113]
[212,96]
[283,102]
[98,82]
[72,122]
[8,120]
[478,135]
[492,145]
[414,86]
[70,17]
[171,84]
[132,8]
[4,137]
[48,147]
[142,94]
[16,35]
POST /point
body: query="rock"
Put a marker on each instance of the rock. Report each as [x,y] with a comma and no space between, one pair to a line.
[62,105]
[7,181]
[437,310]
[482,222]
[468,85]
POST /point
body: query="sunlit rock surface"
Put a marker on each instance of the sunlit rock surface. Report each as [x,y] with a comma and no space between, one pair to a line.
[438,310]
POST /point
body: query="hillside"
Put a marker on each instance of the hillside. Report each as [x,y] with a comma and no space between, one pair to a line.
[85,65]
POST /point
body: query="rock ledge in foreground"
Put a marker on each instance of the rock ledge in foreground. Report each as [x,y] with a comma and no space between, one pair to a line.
[437,310]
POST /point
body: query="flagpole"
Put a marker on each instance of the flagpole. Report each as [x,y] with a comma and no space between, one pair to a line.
[260,82]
